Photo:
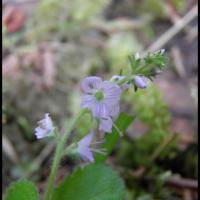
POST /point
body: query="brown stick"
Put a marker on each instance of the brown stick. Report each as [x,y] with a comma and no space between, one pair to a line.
[179,182]
[170,33]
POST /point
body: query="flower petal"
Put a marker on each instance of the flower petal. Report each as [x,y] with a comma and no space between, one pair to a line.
[88,101]
[112,93]
[83,147]
[48,122]
[86,154]
[114,110]
[100,109]
[106,125]
[91,83]
[85,141]
[40,133]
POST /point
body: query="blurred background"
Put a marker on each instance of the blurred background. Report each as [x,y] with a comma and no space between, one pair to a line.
[49,46]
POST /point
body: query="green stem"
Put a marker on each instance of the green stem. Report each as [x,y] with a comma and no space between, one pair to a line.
[117,129]
[124,80]
[162,146]
[59,153]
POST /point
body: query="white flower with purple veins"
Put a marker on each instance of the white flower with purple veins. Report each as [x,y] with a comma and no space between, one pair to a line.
[85,150]
[102,98]
[45,127]
[140,82]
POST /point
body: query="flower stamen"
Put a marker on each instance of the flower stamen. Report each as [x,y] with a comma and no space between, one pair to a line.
[99,95]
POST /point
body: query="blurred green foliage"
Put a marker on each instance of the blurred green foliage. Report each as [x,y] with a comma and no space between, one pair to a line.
[154,7]
[179,5]
[151,110]
[22,190]
[150,107]
[65,19]
[120,46]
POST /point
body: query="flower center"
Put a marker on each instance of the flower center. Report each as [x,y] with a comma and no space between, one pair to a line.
[99,95]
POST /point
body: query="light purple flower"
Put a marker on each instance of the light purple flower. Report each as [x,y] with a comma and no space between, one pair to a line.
[124,86]
[140,81]
[100,97]
[45,127]
[84,148]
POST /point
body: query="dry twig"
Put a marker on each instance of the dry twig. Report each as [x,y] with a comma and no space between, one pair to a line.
[178,61]
[170,33]
[9,150]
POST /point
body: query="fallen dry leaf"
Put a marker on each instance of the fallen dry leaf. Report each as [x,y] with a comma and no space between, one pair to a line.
[13,18]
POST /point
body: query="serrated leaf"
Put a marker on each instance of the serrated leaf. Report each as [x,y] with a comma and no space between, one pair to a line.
[22,190]
[93,182]
[122,122]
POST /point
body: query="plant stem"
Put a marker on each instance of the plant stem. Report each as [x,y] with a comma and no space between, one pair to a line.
[124,80]
[162,146]
[59,153]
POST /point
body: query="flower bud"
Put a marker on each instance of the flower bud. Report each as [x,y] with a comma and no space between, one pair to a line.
[140,82]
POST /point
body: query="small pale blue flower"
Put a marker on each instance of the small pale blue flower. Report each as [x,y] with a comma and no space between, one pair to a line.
[45,127]
[100,96]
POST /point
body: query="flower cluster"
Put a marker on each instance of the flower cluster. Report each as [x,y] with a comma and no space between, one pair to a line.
[102,98]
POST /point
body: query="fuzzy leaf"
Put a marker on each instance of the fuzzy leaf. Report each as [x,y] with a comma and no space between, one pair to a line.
[93,182]
[23,190]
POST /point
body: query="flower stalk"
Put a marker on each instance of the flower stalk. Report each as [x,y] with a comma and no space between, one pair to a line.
[59,153]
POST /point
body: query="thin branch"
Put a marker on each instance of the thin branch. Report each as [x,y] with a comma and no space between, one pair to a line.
[178,62]
[170,33]
[162,146]
[142,170]
[9,150]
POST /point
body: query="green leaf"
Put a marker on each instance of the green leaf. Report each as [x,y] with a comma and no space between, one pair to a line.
[134,62]
[122,122]
[22,190]
[93,182]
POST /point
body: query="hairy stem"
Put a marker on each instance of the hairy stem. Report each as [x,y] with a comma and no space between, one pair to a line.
[59,153]
[124,80]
